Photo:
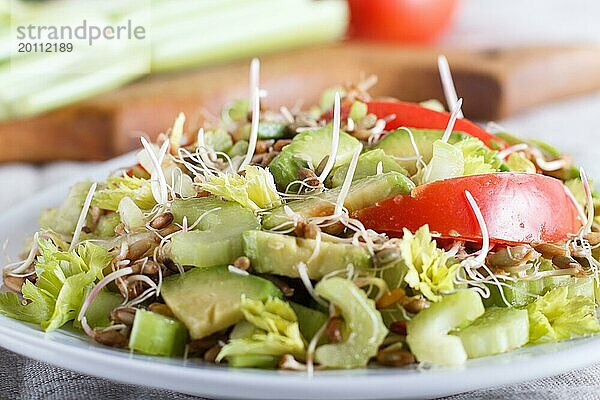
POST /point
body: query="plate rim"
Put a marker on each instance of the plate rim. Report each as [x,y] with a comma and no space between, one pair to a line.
[247,383]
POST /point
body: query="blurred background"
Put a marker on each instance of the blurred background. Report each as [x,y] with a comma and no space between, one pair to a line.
[532,66]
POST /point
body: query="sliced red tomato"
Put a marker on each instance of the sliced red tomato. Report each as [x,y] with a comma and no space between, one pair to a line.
[413,115]
[517,208]
[401,21]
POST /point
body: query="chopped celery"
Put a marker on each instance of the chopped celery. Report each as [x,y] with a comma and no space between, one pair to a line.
[310,320]
[428,336]
[523,292]
[365,328]
[131,215]
[157,335]
[99,310]
[497,331]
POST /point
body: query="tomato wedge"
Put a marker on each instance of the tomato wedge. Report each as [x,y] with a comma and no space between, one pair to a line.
[413,115]
[517,208]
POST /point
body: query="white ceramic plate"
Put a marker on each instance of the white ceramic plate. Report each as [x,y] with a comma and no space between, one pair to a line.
[74,352]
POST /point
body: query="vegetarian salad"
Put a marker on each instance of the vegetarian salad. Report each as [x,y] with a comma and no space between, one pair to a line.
[359,232]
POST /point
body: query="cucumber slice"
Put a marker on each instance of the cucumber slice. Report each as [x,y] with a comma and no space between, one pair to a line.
[307,150]
[157,335]
[217,239]
[207,300]
[367,166]
[230,216]
[497,331]
[363,193]
[428,331]
[205,248]
[365,328]
[280,254]
[399,144]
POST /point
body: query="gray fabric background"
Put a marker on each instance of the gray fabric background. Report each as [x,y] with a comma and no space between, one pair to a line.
[25,379]
[481,23]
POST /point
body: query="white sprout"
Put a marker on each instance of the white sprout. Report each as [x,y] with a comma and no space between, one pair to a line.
[94,292]
[316,250]
[345,189]
[310,350]
[83,216]
[161,194]
[379,168]
[413,143]
[201,217]
[202,149]
[286,114]
[350,126]
[255,104]
[303,272]
[479,260]
[455,113]
[589,202]
[335,139]
[485,237]
[237,270]
[548,166]
[448,84]
[21,266]
[512,149]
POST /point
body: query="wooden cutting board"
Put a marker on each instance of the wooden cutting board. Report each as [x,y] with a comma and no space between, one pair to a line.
[494,83]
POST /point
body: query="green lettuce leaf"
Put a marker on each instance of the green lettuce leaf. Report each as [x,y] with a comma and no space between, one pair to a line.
[467,157]
[557,316]
[114,189]
[430,270]
[478,158]
[38,308]
[63,280]
[447,161]
[278,331]
[254,190]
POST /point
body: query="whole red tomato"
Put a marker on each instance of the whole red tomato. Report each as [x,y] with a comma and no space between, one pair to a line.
[409,21]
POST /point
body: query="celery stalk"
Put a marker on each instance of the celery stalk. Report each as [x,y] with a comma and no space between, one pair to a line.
[273,26]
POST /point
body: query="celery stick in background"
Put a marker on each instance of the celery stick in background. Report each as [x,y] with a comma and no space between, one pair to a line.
[274,25]
[183,34]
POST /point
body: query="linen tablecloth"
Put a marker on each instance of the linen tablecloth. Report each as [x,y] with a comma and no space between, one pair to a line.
[570,124]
